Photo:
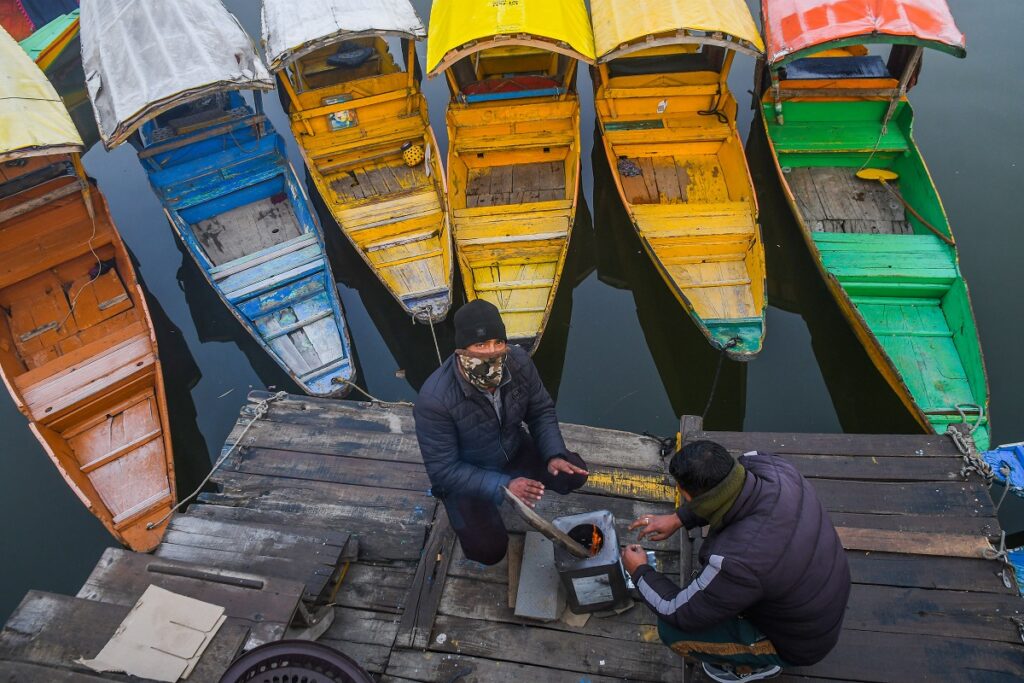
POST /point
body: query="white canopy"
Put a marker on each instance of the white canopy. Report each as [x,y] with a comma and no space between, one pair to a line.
[143,57]
[292,29]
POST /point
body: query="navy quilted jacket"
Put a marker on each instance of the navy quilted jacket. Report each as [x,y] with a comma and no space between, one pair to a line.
[777,560]
[464,447]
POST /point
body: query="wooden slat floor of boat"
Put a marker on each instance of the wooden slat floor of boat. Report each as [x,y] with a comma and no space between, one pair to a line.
[413,608]
[541,181]
[672,180]
[834,199]
[247,229]
[379,182]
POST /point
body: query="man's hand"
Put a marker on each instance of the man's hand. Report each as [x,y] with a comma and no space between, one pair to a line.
[526,490]
[558,465]
[632,557]
[657,527]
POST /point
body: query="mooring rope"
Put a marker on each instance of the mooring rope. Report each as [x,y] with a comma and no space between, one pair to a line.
[370,396]
[260,410]
[732,343]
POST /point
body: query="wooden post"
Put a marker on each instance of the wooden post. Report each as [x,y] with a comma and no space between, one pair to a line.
[690,427]
[901,91]
[293,98]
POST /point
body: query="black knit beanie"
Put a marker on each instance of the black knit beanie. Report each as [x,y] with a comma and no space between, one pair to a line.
[477,322]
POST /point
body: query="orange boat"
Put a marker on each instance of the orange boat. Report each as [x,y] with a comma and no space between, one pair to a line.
[77,348]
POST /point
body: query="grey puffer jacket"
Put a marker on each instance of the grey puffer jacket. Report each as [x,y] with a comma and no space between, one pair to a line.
[463,445]
[776,559]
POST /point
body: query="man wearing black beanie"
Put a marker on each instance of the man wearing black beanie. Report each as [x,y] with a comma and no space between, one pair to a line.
[469,423]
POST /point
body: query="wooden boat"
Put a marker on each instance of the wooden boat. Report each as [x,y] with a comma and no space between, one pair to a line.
[47,44]
[363,129]
[221,173]
[835,114]
[513,146]
[77,347]
[668,123]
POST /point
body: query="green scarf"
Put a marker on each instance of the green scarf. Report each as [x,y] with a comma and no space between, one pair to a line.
[712,505]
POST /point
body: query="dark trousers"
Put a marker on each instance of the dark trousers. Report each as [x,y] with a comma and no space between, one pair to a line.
[477,521]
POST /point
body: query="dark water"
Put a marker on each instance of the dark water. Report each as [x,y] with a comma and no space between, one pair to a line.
[619,351]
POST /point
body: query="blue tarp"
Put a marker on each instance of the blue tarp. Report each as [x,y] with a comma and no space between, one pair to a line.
[1016,558]
[1011,456]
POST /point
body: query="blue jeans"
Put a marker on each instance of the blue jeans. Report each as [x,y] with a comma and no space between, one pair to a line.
[736,643]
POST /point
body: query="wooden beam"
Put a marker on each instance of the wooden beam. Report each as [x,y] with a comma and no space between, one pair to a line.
[424,596]
[913,542]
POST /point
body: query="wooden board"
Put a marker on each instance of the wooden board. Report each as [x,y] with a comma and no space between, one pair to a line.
[516,184]
[246,230]
[55,630]
[833,199]
[266,604]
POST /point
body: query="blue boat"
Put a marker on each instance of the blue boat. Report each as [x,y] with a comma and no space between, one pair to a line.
[222,174]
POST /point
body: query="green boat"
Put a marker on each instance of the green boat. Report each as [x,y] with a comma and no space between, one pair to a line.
[840,129]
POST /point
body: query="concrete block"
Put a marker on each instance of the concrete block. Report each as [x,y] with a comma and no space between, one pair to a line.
[540,594]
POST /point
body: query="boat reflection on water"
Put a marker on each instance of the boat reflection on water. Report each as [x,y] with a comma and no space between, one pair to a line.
[579,264]
[181,375]
[686,363]
[863,400]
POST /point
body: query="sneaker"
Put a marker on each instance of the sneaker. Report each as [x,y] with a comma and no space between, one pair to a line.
[724,675]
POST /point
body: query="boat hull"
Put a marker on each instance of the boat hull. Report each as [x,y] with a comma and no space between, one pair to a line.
[898,285]
[79,356]
[684,180]
[236,204]
[393,213]
[513,184]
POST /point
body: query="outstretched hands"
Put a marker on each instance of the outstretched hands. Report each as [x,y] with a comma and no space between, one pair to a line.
[657,527]
[561,465]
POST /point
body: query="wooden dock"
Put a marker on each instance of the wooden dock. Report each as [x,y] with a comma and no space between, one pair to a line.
[327,502]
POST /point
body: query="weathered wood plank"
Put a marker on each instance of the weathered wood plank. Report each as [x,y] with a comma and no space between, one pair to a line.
[914,542]
[332,468]
[866,445]
[922,571]
[409,665]
[381,588]
[877,657]
[425,593]
[25,672]
[954,614]
[393,540]
[265,604]
[55,630]
[315,579]
[575,652]
[877,468]
[987,527]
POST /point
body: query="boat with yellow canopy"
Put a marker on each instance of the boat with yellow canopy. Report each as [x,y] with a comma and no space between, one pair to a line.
[668,125]
[362,126]
[77,348]
[513,146]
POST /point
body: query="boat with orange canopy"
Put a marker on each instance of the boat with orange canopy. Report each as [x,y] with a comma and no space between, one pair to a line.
[840,129]
[77,348]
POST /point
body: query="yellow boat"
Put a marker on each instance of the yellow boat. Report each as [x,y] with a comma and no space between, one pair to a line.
[668,124]
[513,146]
[363,129]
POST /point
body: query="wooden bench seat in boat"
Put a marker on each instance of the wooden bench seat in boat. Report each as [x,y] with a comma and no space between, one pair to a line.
[201,180]
[837,136]
[482,144]
[87,374]
[695,220]
[903,265]
[269,268]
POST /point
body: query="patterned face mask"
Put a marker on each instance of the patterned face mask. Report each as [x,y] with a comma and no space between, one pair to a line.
[482,371]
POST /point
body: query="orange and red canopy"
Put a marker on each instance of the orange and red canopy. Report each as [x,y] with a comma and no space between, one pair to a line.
[798,26]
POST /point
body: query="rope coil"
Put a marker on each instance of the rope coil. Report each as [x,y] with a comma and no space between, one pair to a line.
[260,410]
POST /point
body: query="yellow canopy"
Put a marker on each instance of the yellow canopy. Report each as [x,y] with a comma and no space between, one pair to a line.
[33,119]
[462,27]
[625,26]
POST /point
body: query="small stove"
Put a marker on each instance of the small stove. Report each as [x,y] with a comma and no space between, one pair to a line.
[595,583]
